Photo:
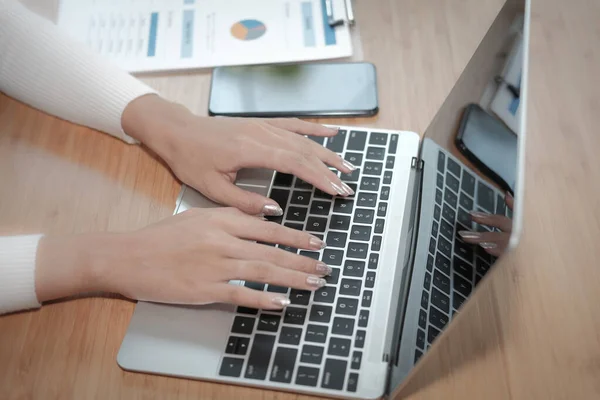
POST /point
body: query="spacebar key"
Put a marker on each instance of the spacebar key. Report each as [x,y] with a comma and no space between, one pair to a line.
[258,361]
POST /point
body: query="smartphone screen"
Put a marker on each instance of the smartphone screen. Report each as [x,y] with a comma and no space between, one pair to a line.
[329,89]
[490,145]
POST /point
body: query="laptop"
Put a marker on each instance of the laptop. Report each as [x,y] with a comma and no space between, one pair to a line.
[400,271]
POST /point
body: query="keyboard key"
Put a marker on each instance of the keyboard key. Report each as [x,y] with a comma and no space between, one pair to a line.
[351,177]
[452,182]
[376,243]
[354,158]
[369,183]
[441,162]
[463,268]
[283,364]
[373,168]
[429,262]
[393,144]
[448,213]
[477,279]
[445,247]
[311,354]
[462,286]
[288,248]
[237,345]
[354,268]
[322,195]
[468,184]
[377,138]
[300,184]
[432,246]
[294,225]
[357,140]
[418,354]
[311,254]
[481,266]
[300,197]
[370,281]
[382,209]
[379,224]
[246,310]
[422,319]
[334,374]
[316,333]
[282,179]
[352,382]
[384,194]
[260,355]
[268,322]
[437,318]
[326,294]
[333,257]
[277,289]
[424,299]
[427,280]
[343,206]
[465,201]
[339,222]
[441,281]
[359,339]
[357,250]
[375,153]
[336,143]
[244,325]
[343,326]
[363,318]
[446,229]
[307,376]
[440,300]
[367,297]
[320,207]
[454,167]
[464,250]
[366,199]
[485,197]
[457,300]
[421,339]
[254,285]
[436,212]
[500,205]
[336,239]
[464,219]
[350,287]
[387,177]
[442,263]
[332,279]
[280,196]
[438,196]
[231,367]
[320,313]
[316,224]
[294,315]
[339,347]
[434,229]
[389,162]
[432,333]
[317,139]
[360,232]
[450,198]
[346,306]
[480,251]
[290,335]
[363,216]
[356,359]
[373,261]
[440,181]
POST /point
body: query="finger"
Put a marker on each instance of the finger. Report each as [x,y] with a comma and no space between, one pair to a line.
[302,127]
[497,221]
[224,192]
[246,297]
[494,243]
[265,272]
[509,200]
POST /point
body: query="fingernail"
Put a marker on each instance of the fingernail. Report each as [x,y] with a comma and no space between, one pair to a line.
[478,214]
[488,245]
[349,165]
[338,189]
[281,301]
[469,235]
[334,130]
[507,195]
[272,210]
[347,188]
[323,268]
[315,281]
[316,243]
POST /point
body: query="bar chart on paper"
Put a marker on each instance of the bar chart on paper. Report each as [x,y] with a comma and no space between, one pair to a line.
[142,36]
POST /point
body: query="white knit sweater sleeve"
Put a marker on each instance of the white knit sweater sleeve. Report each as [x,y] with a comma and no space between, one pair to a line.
[43,67]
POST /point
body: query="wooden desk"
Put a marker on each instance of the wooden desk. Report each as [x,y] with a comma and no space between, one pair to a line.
[531,329]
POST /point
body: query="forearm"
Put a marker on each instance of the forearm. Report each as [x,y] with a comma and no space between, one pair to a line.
[41,66]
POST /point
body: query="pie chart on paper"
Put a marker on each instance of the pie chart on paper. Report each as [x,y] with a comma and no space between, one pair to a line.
[248,29]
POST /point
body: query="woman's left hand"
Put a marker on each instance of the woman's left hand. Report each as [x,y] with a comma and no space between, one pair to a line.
[206,153]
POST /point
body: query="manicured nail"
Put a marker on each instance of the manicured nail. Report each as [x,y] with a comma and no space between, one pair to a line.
[478,214]
[349,165]
[488,245]
[281,301]
[469,234]
[338,189]
[272,210]
[335,130]
[315,281]
[323,268]
[316,243]
[347,189]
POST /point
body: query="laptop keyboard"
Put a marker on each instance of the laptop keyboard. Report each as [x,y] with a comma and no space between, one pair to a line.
[318,340]
[454,267]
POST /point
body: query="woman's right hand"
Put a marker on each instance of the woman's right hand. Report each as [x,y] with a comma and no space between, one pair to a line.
[186,259]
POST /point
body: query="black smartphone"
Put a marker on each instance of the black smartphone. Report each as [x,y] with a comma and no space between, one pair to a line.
[347,89]
[489,144]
